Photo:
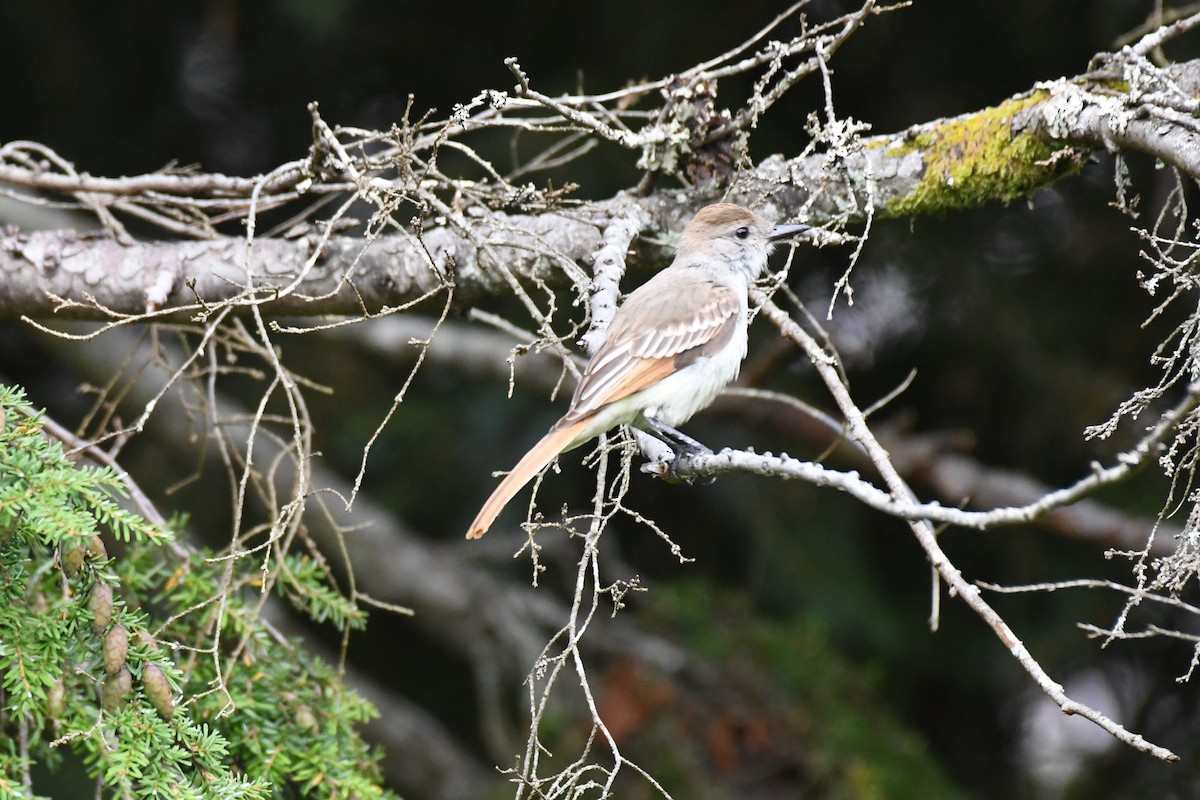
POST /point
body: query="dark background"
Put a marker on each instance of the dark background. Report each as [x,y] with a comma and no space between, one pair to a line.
[1021,321]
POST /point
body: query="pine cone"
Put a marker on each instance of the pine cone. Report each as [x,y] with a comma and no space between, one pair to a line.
[158,691]
[116,645]
[101,604]
[116,690]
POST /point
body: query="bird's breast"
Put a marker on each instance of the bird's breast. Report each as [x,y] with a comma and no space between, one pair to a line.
[677,397]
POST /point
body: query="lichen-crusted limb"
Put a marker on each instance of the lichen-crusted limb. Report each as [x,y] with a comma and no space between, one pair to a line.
[1001,153]
[976,158]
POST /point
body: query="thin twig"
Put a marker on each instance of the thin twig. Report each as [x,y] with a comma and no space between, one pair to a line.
[927,538]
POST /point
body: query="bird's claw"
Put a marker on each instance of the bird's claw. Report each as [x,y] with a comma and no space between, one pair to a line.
[673,474]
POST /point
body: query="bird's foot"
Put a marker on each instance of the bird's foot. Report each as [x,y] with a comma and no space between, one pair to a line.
[681,445]
[675,476]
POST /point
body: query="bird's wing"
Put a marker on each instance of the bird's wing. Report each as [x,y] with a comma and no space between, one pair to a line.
[664,325]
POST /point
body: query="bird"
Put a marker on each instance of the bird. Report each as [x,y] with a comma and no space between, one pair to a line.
[672,346]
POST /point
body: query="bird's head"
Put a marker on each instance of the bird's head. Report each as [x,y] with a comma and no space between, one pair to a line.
[729,233]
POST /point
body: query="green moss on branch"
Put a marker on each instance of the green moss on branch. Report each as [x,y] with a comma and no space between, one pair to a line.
[977,158]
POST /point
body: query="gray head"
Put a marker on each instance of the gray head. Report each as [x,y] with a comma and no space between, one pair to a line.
[733,234]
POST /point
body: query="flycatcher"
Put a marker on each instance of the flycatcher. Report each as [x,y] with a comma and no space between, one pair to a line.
[673,345]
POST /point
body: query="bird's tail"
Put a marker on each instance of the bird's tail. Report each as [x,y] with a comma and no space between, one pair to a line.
[542,453]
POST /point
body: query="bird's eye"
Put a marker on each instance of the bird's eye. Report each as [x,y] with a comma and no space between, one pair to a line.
[742,232]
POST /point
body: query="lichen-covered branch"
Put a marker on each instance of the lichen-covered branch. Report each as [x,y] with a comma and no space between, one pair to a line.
[1001,153]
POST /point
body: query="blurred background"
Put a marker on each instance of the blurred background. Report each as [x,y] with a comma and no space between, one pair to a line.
[1022,322]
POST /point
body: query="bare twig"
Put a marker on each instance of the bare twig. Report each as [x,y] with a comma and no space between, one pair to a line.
[927,538]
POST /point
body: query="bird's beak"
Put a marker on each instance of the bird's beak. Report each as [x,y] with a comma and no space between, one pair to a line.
[786,231]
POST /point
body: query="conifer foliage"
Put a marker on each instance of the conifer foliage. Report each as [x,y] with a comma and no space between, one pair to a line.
[144,667]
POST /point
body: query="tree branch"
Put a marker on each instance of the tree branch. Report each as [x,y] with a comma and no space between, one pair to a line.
[1000,153]
[927,537]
